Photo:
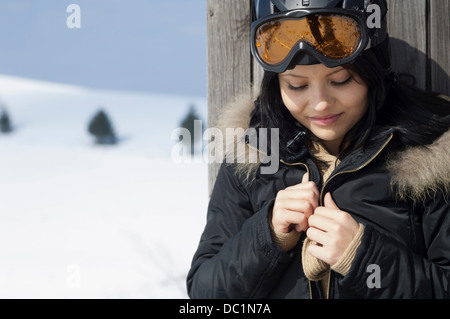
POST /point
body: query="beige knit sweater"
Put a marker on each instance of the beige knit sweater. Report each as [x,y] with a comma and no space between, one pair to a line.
[314,268]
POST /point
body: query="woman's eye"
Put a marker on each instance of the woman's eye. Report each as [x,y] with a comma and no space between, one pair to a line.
[297,88]
[343,82]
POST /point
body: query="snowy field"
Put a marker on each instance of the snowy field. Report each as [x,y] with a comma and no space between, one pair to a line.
[82,221]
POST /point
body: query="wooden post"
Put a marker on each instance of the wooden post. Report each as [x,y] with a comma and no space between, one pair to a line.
[419,29]
[420,36]
[229,56]
[439,33]
[407,27]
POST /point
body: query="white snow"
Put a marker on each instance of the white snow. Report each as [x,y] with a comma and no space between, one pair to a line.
[82,221]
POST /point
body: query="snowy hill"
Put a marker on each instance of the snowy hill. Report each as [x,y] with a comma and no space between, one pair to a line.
[82,221]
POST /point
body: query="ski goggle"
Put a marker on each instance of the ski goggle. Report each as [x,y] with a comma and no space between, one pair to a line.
[333,37]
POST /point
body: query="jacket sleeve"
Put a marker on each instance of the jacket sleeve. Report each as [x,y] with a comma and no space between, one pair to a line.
[401,272]
[236,257]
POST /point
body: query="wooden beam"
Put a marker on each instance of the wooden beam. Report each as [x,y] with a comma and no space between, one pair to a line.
[229,56]
[407,27]
[439,46]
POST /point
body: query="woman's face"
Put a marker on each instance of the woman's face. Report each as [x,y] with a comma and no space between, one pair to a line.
[327,101]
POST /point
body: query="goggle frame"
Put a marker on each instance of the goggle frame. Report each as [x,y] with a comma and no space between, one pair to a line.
[303,46]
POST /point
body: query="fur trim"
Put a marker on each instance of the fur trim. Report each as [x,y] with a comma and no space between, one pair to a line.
[415,172]
[421,171]
[236,116]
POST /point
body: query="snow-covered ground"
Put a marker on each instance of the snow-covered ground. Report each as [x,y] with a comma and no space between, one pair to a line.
[82,221]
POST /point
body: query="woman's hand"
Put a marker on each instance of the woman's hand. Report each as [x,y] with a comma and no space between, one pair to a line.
[332,229]
[293,206]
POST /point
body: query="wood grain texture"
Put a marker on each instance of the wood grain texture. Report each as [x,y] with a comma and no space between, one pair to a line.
[229,58]
[407,27]
[439,46]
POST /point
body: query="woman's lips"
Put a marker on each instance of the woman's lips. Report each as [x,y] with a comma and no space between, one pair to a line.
[325,120]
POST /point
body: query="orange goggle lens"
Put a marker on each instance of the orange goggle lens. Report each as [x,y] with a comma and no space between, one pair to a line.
[333,36]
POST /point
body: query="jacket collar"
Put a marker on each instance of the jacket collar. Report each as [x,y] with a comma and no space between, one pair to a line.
[415,172]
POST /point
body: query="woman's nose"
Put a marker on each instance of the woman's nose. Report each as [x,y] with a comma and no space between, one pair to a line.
[320,99]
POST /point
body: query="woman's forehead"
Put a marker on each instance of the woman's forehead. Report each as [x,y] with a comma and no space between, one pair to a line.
[305,71]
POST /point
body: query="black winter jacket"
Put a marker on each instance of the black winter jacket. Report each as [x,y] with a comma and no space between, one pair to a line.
[400,199]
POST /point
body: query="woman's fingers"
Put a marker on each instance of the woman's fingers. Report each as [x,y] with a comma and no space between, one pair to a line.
[334,230]
[287,212]
[286,218]
[305,177]
[298,194]
[324,223]
[317,235]
[319,252]
[304,206]
[309,193]
[292,208]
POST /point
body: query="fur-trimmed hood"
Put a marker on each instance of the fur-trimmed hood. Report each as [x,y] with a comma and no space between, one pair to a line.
[415,172]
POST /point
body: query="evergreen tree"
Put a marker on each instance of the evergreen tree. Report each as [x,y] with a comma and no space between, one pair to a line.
[5,122]
[100,126]
[189,124]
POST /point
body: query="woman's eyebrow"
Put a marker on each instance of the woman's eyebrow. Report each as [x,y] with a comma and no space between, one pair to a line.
[294,75]
[336,71]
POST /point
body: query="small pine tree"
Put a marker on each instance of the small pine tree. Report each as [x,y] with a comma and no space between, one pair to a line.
[100,126]
[189,124]
[5,122]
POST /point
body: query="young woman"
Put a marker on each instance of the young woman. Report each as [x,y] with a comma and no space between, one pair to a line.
[359,205]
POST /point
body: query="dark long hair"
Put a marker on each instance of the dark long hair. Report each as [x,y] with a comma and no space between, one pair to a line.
[419,117]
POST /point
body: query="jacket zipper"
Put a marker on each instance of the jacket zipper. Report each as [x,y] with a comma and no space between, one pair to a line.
[356,169]
[347,172]
[323,188]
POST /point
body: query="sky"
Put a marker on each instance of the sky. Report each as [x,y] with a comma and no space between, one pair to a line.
[154,46]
